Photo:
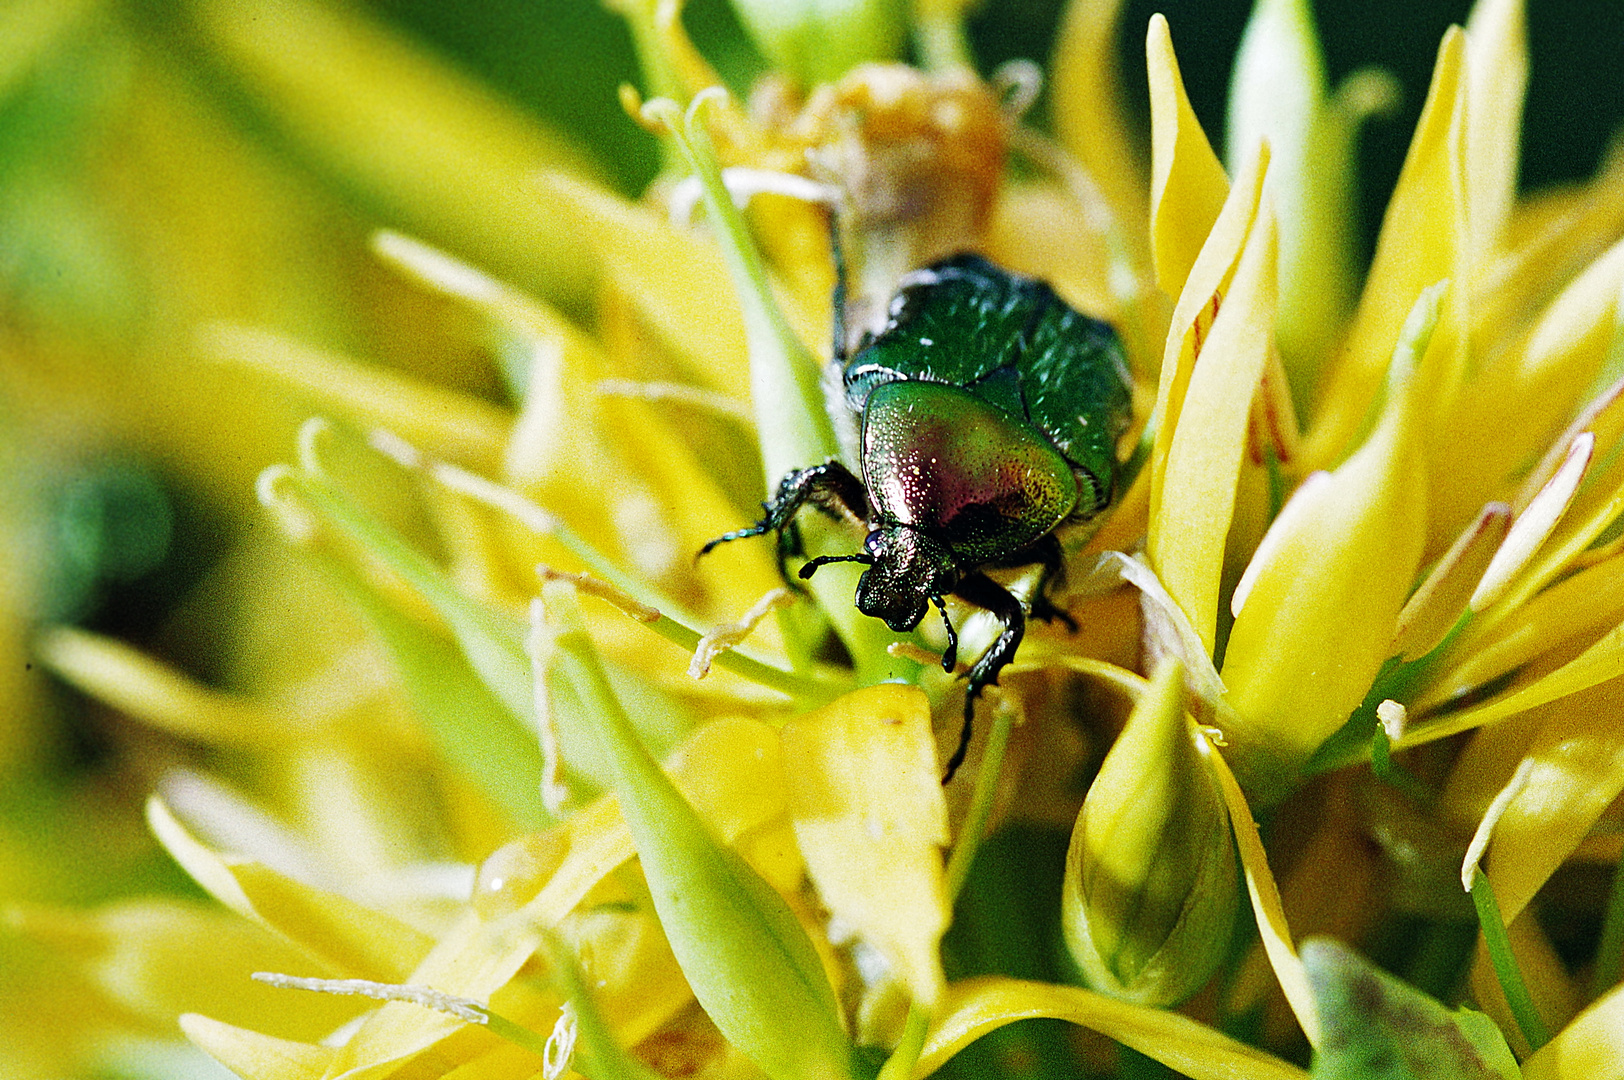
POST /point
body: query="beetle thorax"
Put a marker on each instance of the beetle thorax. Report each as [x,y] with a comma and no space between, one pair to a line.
[909,568]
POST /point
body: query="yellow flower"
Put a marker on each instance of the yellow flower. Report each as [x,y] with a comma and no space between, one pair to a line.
[502,828]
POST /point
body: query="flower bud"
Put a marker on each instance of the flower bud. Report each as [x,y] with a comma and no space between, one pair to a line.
[820,40]
[1151,885]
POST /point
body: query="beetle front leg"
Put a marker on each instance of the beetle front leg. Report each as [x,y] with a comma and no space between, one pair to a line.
[1049,554]
[986,593]
[831,487]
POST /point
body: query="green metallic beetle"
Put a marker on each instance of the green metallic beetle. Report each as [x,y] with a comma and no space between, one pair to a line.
[988,412]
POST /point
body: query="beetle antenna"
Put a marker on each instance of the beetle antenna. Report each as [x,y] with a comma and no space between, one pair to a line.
[837,251]
[811,566]
[950,655]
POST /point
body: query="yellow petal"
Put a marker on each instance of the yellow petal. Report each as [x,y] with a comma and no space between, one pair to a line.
[1578,770]
[1420,244]
[457,425]
[254,1056]
[1441,599]
[651,497]
[677,283]
[1187,183]
[159,958]
[1265,894]
[1591,1046]
[1497,74]
[472,960]
[1316,612]
[976,1006]
[1197,308]
[356,941]
[1578,609]
[157,694]
[869,815]
[1522,397]
[731,770]
[1090,112]
[1190,519]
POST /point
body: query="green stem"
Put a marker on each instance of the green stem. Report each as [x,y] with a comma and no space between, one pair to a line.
[1505,964]
[900,1065]
[516,1034]
[941,42]
[975,822]
[1381,765]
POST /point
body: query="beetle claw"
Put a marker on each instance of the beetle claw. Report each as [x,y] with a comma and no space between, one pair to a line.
[950,655]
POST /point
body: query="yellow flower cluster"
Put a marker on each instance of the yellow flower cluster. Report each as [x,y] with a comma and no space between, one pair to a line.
[507,783]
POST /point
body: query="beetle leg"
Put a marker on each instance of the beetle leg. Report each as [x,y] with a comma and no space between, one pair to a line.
[984,592]
[837,252]
[1048,553]
[950,655]
[830,487]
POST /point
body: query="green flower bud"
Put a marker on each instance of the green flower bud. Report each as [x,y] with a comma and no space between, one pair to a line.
[820,40]
[1152,880]
[1279,93]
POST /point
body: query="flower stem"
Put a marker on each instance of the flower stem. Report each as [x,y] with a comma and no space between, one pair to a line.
[1505,964]
[900,1065]
[975,822]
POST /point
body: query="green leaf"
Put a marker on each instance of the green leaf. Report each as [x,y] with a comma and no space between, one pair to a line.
[750,963]
[469,724]
[1375,1027]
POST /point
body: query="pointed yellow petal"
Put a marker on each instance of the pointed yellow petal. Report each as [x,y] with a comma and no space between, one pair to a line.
[159,958]
[1265,893]
[472,960]
[159,695]
[1318,607]
[1598,664]
[405,132]
[1190,522]
[1420,244]
[1578,770]
[254,1056]
[1278,92]
[677,283]
[1534,523]
[458,426]
[1434,608]
[866,801]
[976,1006]
[1193,317]
[1520,399]
[1497,74]
[1090,114]
[1187,183]
[353,939]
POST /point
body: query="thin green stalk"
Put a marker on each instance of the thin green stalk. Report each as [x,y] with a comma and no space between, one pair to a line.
[975,822]
[1382,766]
[900,1065]
[1505,964]
[516,1034]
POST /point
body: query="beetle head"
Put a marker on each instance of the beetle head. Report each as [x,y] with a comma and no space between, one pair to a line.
[909,569]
